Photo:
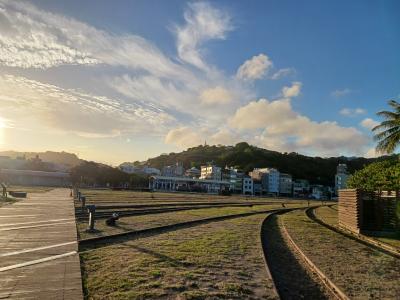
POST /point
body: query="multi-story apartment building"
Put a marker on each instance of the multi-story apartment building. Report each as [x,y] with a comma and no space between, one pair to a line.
[341,177]
[301,188]
[285,184]
[247,186]
[211,172]
[269,178]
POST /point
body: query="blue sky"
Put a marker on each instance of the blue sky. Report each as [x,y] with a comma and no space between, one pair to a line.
[126,82]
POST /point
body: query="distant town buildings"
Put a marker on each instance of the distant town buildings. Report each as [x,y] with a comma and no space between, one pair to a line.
[285,184]
[192,172]
[130,168]
[186,184]
[211,171]
[259,182]
[341,178]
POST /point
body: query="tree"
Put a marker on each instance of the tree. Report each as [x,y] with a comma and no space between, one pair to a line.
[388,132]
[384,175]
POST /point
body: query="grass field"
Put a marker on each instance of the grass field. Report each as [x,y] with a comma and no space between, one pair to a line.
[108,197]
[360,271]
[30,189]
[218,260]
[153,220]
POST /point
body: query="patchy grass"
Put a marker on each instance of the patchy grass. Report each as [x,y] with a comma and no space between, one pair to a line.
[153,220]
[330,216]
[360,271]
[110,197]
[7,200]
[214,261]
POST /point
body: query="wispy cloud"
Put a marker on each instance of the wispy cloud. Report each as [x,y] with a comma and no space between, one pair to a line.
[341,92]
[351,112]
[292,91]
[281,73]
[254,68]
[203,22]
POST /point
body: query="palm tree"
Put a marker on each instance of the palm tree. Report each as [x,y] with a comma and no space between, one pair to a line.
[388,132]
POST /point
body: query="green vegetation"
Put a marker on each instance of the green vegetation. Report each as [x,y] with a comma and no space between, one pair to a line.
[215,261]
[388,132]
[246,157]
[377,176]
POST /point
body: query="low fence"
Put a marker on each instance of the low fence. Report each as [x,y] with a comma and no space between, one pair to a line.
[369,211]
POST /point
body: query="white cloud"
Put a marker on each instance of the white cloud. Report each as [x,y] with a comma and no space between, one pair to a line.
[254,68]
[203,22]
[38,106]
[350,112]
[215,96]
[282,73]
[292,91]
[371,153]
[279,122]
[184,137]
[341,93]
[369,123]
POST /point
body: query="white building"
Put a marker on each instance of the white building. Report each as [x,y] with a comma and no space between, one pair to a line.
[247,186]
[185,184]
[211,172]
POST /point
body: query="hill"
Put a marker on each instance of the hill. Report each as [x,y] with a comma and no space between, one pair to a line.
[317,170]
[64,158]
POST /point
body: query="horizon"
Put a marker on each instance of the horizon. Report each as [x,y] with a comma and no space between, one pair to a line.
[102,83]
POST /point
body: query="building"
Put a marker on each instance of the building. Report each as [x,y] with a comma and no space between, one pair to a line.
[247,186]
[269,178]
[173,170]
[235,177]
[257,188]
[211,172]
[192,172]
[130,168]
[186,184]
[29,177]
[301,188]
[341,178]
[285,184]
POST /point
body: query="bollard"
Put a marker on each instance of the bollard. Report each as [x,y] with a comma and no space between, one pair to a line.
[91,209]
[83,200]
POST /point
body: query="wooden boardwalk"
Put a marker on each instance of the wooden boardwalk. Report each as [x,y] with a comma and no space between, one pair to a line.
[38,248]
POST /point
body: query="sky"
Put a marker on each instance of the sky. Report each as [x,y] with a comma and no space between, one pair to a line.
[129,80]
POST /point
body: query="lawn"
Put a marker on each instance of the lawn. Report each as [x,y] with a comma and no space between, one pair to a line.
[216,260]
[360,271]
[153,220]
[110,197]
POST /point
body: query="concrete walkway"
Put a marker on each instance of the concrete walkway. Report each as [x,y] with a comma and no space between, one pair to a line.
[38,248]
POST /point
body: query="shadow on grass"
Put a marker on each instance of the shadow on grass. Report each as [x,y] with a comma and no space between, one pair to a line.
[290,277]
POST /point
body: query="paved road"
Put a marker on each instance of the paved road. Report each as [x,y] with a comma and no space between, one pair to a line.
[38,248]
